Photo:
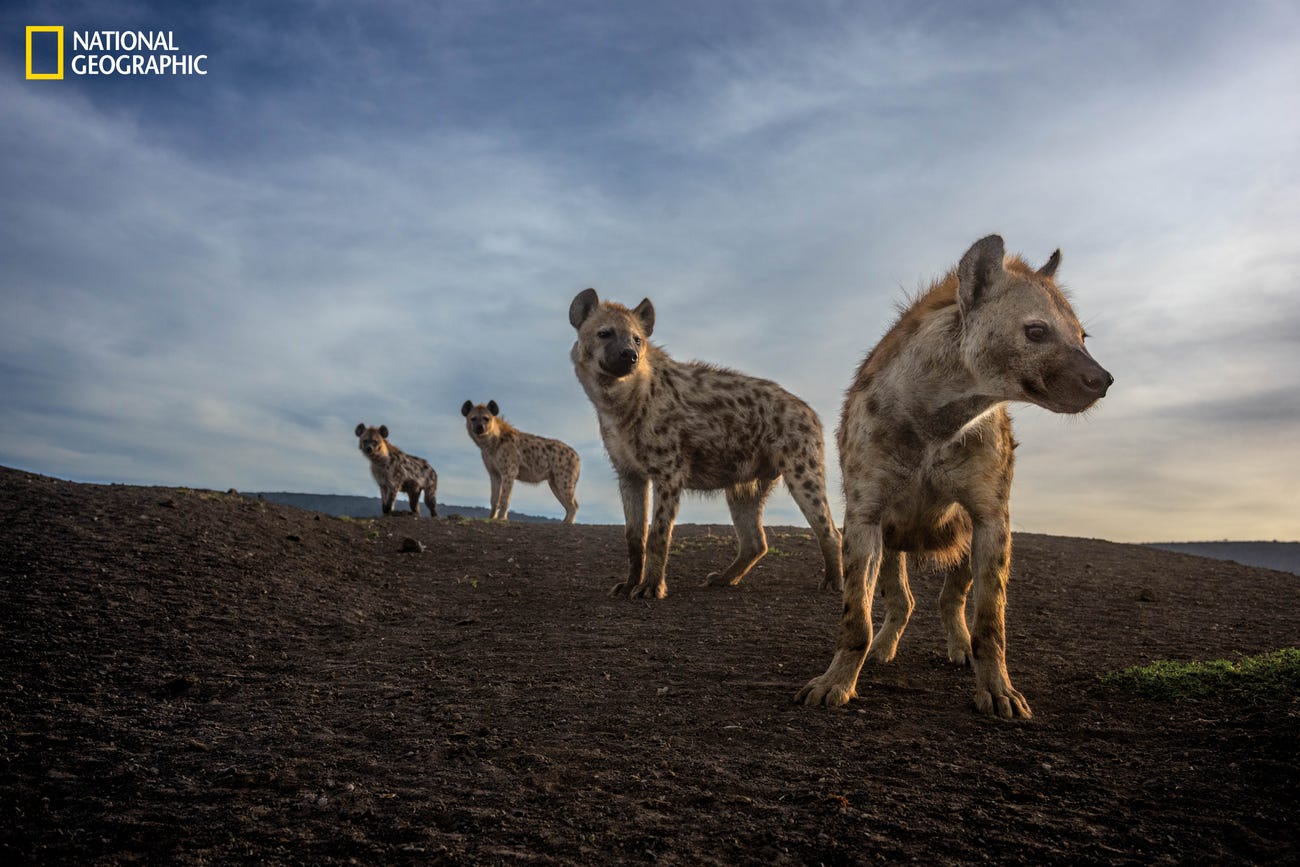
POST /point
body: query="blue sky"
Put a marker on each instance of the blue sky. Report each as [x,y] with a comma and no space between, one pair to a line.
[373,212]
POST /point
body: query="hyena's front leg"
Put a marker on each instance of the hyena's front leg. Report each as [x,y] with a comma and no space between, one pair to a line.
[636,502]
[503,498]
[388,496]
[495,478]
[653,585]
[863,551]
[991,565]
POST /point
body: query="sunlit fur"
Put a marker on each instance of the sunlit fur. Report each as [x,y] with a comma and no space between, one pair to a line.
[927,455]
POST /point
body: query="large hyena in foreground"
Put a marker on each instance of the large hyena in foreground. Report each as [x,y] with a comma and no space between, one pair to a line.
[926,449]
[510,454]
[692,426]
[394,470]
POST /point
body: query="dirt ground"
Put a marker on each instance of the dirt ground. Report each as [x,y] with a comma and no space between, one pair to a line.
[193,677]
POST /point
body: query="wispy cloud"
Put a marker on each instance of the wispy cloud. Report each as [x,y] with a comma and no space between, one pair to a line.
[211,282]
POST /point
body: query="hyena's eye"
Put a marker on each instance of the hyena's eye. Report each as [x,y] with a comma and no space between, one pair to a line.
[1036,331]
[636,340]
[605,333]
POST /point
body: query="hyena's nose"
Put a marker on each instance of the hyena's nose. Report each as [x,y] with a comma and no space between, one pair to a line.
[1098,380]
[630,355]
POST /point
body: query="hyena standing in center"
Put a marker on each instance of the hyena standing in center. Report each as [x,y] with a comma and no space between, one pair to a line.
[692,426]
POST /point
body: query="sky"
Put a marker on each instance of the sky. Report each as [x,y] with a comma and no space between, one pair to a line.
[374,212]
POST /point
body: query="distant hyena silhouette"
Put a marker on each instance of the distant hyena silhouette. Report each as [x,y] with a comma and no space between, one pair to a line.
[927,454]
[394,470]
[692,426]
[510,454]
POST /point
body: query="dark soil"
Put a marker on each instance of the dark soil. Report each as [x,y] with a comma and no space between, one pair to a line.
[192,677]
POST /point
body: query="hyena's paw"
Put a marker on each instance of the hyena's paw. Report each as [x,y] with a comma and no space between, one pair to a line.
[827,690]
[719,579]
[1004,703]
[836,584]
[961,656]
[649,591]
[882,652]
[620,589]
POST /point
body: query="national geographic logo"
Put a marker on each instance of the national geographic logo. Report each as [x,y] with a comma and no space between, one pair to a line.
[108,52]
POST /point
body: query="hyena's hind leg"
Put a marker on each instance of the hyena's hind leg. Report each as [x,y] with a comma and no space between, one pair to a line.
[807,485]
[413,497]
[746,503]
[899,605]
[563,489]
[952,612]
[431,497]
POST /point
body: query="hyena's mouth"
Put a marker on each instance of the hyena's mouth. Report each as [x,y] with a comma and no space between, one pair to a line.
[617,369]
[1053,400]
[1034,391]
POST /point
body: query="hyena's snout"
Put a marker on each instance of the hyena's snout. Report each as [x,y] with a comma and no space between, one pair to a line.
[1084,381]
[621,358]
[1093,379]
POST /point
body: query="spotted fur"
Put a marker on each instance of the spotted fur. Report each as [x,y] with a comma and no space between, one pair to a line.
[394,470]
[509,454]
[690,426]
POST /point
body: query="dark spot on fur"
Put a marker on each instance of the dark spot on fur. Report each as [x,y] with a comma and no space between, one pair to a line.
[873,406]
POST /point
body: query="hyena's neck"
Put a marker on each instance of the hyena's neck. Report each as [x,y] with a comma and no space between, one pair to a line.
[931,384]
[492,440]
[618,398]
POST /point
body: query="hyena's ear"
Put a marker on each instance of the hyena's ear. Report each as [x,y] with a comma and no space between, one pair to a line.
[383,431]
[978,270]
[361,428]
[493,408]
[583,303]
[1054,262]
[645,311]
[466,407]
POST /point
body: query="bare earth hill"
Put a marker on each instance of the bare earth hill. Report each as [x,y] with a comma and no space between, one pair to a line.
[191,677]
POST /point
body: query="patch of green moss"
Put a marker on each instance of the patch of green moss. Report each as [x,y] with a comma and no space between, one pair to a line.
[1267,677]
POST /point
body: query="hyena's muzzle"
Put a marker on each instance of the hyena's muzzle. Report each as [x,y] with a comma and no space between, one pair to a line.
[1073,383]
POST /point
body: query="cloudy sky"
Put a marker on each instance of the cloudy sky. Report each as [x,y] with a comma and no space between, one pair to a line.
[374,211]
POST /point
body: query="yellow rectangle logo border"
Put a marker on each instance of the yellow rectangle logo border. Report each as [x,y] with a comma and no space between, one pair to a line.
[44,76]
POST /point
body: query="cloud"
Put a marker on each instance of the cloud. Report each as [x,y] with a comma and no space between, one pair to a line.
[212,282]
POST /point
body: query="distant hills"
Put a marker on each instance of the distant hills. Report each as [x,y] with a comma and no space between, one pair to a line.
[1282,556]
[340,506]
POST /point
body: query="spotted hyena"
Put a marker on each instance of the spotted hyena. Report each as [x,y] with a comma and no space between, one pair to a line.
[927,453]
[692,426]
[395,471]
[510,454]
